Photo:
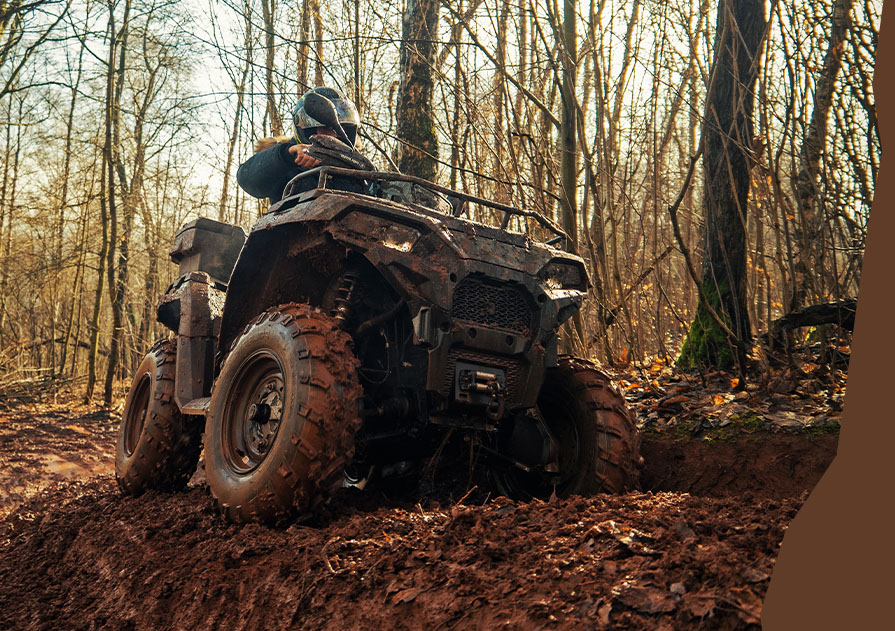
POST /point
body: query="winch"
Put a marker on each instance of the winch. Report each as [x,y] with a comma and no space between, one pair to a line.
[481,385]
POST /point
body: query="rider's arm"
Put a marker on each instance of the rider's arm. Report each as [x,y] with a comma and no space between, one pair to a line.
[267,172]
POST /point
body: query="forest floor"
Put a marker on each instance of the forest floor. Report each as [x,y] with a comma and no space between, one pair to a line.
[726,470]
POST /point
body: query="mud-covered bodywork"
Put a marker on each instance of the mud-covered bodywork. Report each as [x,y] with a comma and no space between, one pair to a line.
[361,337]
[366,336]
[477,296]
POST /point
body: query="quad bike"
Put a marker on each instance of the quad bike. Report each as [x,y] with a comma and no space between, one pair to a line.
[351,334]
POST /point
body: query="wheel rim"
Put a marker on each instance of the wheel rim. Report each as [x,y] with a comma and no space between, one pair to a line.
[135,416]
[253,413]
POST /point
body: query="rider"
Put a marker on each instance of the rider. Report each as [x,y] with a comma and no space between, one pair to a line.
[267,172]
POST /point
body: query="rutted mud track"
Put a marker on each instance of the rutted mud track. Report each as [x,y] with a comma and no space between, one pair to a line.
[74,554]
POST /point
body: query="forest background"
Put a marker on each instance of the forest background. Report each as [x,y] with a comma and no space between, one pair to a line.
[120,120]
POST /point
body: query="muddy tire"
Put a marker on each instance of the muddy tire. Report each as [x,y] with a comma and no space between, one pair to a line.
[283,414]
[598,442]
[158,447]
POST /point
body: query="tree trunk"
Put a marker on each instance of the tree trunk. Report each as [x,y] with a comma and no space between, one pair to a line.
[105,194]
[458,96]
[5,222]
[569,162]
[237,118]
[116,167]
[11,196]
[727,138]
[318,43]
[303,48]
[809,264]
[502,192]
[415,115]
[568,143]
[63,203]
[268,8]
[76,296]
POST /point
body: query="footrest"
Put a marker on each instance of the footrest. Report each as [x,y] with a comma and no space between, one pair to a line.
[196,406]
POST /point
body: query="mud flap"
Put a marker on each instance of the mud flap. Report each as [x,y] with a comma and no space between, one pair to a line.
[201,306]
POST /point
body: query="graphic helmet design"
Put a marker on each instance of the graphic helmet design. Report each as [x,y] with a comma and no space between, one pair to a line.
[304,126]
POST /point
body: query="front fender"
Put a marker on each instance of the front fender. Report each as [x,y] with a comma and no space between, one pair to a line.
[287,263]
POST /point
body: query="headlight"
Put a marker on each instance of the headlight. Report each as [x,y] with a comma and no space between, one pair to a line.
[564,275]
[398,237]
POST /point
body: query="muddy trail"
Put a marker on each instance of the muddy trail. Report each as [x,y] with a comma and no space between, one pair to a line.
[694,550]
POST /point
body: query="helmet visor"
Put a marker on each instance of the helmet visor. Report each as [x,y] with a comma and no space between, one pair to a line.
[345,109]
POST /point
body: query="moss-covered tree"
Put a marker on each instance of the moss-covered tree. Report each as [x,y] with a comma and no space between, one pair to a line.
[414,113]
[727,138]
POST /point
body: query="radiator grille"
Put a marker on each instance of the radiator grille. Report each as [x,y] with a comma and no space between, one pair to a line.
[489,304]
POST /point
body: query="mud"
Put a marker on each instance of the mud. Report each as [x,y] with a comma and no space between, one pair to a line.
[693,551]
[43,445]
[755,466]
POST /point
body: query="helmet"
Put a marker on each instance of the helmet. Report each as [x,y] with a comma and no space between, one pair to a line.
[304,126]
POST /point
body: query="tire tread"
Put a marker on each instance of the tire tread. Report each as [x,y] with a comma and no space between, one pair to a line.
[167,451]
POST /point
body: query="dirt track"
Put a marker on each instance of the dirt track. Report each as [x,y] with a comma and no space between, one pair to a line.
[74,554]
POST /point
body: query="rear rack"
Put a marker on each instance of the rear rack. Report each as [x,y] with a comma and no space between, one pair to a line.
[325,172]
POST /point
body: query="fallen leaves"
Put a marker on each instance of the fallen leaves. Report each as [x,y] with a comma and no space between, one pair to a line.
[603,615]
[406,595]
[650,599]
[755,576]
[699,605]
[681,398]
[645,599]
[721,399]
[748,604]
[806,393]
[631,538]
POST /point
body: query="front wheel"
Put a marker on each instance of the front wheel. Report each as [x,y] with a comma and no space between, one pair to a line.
[283,414]
[158,447]
[597,447]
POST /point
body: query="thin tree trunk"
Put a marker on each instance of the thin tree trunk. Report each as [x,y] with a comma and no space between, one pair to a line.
[237,119]
[116,167]
[318,42]
[503,191]
[268,8]
[457,94]
[809,267]
[304,45]
[11,205]
[568,142]
[63,202]
[77,294]
[5,222]
[105,193]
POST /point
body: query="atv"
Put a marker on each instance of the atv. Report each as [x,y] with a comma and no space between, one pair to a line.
[352,335]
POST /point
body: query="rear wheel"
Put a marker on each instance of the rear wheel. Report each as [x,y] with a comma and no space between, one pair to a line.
[158,448]
[283,414]
[597,447]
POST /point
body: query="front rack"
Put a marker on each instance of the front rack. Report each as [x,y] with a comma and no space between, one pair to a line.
[325,172]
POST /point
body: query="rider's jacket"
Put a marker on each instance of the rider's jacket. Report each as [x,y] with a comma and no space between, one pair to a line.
[267,172]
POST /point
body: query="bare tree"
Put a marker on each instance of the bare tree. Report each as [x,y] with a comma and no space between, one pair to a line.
[809,237]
